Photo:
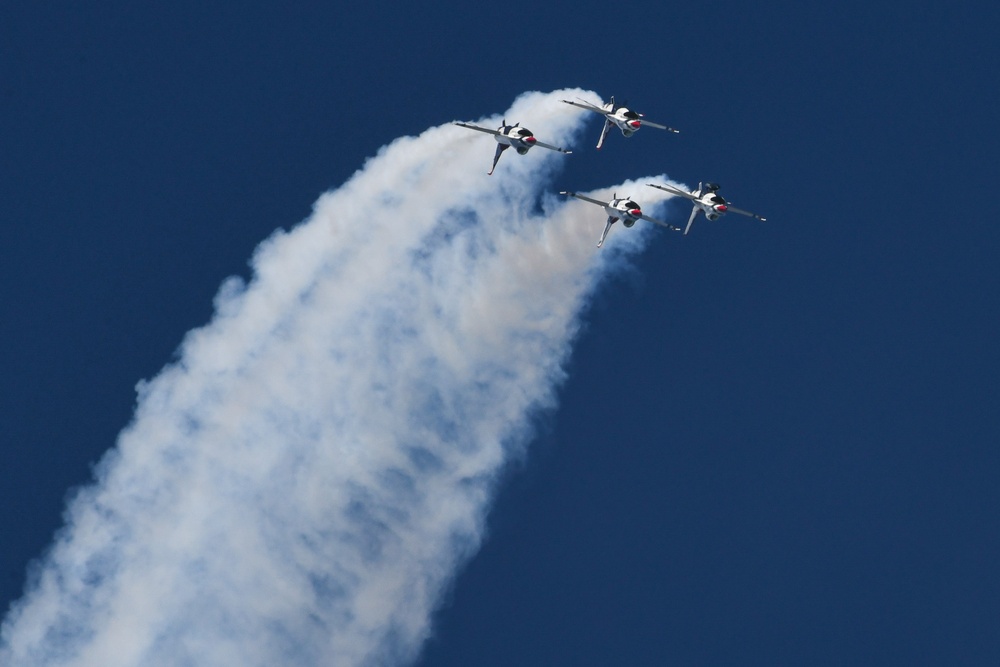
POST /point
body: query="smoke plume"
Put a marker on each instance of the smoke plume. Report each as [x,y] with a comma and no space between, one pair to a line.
[303,483]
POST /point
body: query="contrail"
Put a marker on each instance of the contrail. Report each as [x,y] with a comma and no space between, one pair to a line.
[303,483]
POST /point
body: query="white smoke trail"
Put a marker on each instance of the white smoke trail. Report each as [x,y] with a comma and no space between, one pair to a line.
[300,487]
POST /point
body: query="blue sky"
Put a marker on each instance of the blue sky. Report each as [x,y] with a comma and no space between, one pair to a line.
[776,443]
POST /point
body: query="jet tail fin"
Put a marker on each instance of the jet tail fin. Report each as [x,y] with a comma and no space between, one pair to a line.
[496,157]
[694,212]
[607,228]
[604,133]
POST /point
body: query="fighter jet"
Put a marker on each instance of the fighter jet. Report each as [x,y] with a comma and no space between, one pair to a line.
[626,119]
[707,200]
[506,135]
[625,210]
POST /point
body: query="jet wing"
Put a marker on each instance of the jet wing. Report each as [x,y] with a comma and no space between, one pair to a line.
[551,147]
[587,105]
[674,191]
[733,209]
[650,123]
[659,222]
[481,129]
[592,201]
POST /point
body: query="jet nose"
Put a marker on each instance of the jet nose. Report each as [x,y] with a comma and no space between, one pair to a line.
[721,208]
[530,140]
[635,123]
[636,212]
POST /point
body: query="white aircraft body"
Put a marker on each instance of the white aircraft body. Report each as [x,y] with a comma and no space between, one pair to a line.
[521,138]
[623,209]
[625,119]
[706,200]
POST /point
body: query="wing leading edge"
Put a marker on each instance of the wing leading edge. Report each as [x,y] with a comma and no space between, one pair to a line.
[649,123]
[659,222]
[586,105]
[495,133]
[674,191]
[551,147]
[733,209]
[592,201]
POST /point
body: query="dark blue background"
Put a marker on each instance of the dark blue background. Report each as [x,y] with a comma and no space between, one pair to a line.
[778,441]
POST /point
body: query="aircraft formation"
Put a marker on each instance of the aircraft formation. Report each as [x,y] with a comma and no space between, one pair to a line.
[706,199]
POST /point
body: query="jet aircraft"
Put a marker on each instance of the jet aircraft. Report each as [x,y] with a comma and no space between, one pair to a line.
[626,119]
[521,138]
[707,200]
[623,209]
